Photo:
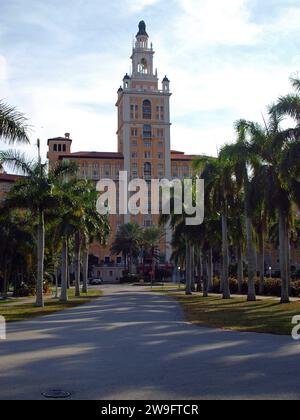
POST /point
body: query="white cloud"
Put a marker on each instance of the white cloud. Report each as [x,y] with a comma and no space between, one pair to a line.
[206,22]
[139,5]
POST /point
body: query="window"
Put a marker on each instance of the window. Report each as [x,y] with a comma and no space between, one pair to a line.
[55,148]
[107,169]
[148,221]
[147,131]
[160,155]
[147,170]
[143,66]
[64,148]
[160,113]
[134,155]
[147,155]
[134,132]
[147,144]
[59,147]
[160,145]
[147,113]
[160,133]
[134,171]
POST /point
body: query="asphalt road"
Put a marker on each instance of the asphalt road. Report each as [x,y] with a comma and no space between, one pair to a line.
[134,345]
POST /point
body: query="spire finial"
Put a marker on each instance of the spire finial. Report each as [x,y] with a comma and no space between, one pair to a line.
[142,29]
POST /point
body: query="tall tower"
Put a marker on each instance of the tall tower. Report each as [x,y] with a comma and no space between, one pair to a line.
[144,117]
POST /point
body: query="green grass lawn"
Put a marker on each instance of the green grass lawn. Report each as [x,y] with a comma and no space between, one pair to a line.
[263,316]
[22,312]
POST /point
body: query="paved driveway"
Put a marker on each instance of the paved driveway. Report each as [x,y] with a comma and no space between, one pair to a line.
[135,345]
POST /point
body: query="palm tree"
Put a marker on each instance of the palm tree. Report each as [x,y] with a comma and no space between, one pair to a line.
[289,105]
[243,158]
[219,188]
[35,193]
[151,240]
[13,125]
[127,243]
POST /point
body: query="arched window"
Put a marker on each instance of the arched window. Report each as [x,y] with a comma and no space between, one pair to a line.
[147,131]
[55,148]
[64,148]
[59,147]
[143,66]
[147,112]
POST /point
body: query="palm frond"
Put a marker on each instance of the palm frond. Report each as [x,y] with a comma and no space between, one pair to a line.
[13,125]
[17,162]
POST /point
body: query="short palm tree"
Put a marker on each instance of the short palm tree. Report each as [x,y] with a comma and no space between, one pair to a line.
[127,243]
[151,240]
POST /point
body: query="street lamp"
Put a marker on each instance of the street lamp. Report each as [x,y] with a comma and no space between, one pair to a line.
[270,272]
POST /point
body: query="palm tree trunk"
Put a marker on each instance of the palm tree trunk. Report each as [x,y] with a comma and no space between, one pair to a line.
[188,290]
[211,270]
[200,270]
[64,272]
[205,276]
[40,261]
[5,279]
[193,268]
[261,245]
[56,282]
[251,261]
[285,284]
[240,269]
[85,269]
[77,264]
[225,248]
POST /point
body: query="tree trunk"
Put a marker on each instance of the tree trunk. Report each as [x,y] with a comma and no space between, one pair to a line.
[285,284]
[193,286]
[188,290]
[205,276]
[85,269]
[200,270]
[226,290]
[261,245]
[251,261]
[211,270]
[77,264]
[64,272]
[40,261]
[56,282]
[240,270]
[5,279]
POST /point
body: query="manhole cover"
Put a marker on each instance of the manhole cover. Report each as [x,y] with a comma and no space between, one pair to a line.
[56,394]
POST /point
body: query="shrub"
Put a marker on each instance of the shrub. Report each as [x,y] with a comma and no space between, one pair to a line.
[272,287]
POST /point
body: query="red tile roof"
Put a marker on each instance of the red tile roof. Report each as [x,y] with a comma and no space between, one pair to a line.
[92,155]
[60,139]
[10,178]
[182,157]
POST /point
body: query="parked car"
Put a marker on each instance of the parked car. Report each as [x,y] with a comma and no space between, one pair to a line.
[96,281]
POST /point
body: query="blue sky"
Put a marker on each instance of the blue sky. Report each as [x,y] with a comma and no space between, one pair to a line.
[61,62]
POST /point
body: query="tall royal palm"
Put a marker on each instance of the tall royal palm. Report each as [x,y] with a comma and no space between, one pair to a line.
[243,158]
[35,193]
[219,189]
